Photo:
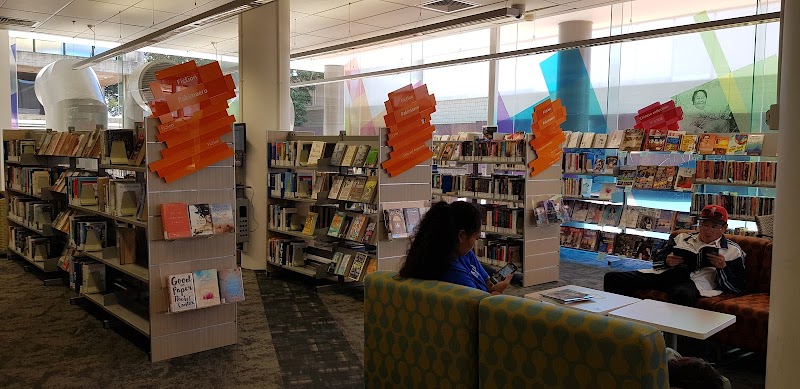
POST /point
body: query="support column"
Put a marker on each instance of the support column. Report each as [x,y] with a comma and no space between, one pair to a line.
[333,114]
[494,41]
[572,83]
[784,340]
[265,106]
[5,93]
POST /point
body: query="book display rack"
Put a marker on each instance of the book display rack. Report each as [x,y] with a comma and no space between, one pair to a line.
[103,227]
[323,215]
[495,173]
[607,175]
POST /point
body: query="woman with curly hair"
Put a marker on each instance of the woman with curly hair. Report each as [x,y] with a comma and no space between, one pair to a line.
[441,248]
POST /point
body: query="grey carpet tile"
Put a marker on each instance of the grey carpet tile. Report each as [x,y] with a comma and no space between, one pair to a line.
[311,349]
[48,343]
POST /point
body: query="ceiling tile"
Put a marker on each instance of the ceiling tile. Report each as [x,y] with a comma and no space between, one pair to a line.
[223,30]
[559,9]
[93,10]
[317,6]
[346,30]
[361,10]
[304,40]
[128,3]
[114,29]
[144,17]
[399,17]
[66,24]
[173,6]
[191,40]
[48,7]
[312,23]
[35,16]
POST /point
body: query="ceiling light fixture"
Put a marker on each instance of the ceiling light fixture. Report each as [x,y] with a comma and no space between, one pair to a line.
[212,16]
[485,17]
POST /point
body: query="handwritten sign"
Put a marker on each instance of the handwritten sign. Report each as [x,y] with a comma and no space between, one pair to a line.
[181,292]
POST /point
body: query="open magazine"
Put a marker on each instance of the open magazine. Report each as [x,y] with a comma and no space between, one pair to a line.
[567,296]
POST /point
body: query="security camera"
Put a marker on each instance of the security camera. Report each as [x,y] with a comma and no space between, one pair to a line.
[520,7]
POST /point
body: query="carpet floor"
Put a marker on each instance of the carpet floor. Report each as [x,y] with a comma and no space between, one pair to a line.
[289,337]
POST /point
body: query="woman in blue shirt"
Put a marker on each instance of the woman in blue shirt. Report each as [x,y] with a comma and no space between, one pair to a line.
[442,248]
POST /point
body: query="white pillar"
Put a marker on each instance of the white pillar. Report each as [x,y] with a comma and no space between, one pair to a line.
[265,106]
[572,90]
[333,114]
[784,318]
[494,41]
[5,95]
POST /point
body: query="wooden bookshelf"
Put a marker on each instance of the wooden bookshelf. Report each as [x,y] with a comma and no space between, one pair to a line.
[49,265]
[93,209]
[23,193]
[139,272]
[296,234]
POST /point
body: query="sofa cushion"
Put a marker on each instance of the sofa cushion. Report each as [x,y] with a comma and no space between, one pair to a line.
[757,262]
[419,334]
[529,344]
[752,319]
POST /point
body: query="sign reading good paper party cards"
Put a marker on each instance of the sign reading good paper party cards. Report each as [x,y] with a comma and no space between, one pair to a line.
[191,103]
[548,137]
[408,117]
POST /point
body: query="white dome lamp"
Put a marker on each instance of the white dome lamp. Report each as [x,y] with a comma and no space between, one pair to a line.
[71,98]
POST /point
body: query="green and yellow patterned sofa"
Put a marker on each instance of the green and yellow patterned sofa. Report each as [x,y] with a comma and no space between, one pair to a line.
[528,344]
[430,334]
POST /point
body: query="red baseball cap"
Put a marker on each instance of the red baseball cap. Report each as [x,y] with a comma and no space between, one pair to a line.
[714,213]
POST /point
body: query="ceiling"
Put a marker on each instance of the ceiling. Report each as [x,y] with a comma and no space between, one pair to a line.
[314,23]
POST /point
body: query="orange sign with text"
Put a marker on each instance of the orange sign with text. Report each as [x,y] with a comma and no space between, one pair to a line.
[548,137]
[408,117]
[191,102]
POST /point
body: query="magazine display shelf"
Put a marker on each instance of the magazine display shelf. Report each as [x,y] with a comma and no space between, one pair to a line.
[539,255]
[769,152]
[317,255]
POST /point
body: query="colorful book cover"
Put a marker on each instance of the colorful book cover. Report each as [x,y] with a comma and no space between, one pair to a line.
[645,175]
[338,154]
[222,218]
[689,143]
[595,213]
[627,176]
[344,265]
[589,240]
[231,286]
[684,221]
[581,211]
[737,144]
[369,233]
[349,155]
[599,165]
[673,141]
[361,155]
[372,158]
[335,229]
[206,285]
[665,177]
[721,145]
[200,219]
[632,140]
[370,188]
[706,143]
[656,140]
[684,179]
[357,228]
[181,292]
[611,215]
[606,243]
[755,144]
[336,187]
[646,221]
[358,266]
[311,223]
[175,220]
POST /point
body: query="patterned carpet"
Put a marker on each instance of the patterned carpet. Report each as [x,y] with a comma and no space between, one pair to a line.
[303,339]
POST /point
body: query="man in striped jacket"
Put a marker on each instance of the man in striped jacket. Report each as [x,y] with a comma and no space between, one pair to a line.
[690,265]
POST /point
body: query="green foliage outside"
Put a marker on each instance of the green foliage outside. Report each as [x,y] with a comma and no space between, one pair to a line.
[301,97]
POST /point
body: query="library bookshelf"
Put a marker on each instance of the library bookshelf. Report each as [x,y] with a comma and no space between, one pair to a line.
[135,258]
[494,173]
[319,212]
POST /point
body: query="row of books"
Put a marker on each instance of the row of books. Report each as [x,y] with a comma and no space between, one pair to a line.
[15,149]
[308,153]
[629,216]
[505,187]
[550,212]
[624,245]
[86,276]
[498,252]
[181,220]
[589,163]
[96,144]
[510,149]
[576,187]
[31,245]
[60,184]
[286,251]
[353,188]
[503,219]
[738,207]
[31,212]
[402,222]
[119,197]
[204,288]
[737,172]
[354,267]
[72,144]
[88,233]
[356,228]
[672,141]
[29,180]
[657,177]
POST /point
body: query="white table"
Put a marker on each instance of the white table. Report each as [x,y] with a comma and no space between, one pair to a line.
[675,319]
[602,303]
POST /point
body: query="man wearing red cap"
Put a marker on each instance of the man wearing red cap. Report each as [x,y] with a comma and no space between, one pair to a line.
[690,265]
